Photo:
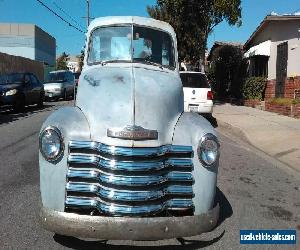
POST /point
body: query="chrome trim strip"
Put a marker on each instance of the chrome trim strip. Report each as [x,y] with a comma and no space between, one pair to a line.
[132,133]
[117,209]
[133,180]
[105,163]
[128,195]
[127,151]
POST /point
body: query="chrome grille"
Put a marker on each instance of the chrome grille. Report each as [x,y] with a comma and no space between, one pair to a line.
[124,181]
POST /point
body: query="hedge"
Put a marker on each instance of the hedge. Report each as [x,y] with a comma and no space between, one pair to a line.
[254,88]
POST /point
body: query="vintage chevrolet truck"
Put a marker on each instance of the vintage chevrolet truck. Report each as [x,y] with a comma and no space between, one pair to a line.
[125,162]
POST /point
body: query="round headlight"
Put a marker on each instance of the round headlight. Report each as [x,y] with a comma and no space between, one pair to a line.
[51,143]
[208,150]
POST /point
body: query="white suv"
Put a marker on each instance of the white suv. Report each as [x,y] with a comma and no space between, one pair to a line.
[197,92]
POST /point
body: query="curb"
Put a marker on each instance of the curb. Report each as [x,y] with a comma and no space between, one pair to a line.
[242,135]
[234,130]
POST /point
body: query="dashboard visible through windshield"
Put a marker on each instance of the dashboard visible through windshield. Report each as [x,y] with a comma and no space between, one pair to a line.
[131,44]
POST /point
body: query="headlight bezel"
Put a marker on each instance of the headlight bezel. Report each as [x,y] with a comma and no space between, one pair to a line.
[61,140]
[200,149]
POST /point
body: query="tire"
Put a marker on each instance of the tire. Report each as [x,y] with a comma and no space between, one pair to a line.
[19,104]
[40,104]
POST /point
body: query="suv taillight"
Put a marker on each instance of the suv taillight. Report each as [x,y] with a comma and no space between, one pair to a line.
[210,95]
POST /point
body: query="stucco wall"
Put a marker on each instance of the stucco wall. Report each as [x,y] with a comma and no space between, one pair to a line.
[19,51]
[279,32]
[45,47]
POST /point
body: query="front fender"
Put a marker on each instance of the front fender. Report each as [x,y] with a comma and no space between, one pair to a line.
[72,124]
[189,130]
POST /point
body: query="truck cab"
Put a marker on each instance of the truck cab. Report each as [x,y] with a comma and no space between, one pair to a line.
[126,162]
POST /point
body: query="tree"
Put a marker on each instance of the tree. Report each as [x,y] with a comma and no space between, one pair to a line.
[227,72]
[61,62]
[194,20]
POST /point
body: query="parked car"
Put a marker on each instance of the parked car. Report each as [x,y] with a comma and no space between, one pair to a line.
[198,96]
[60,84]
[126,162]
[21,89]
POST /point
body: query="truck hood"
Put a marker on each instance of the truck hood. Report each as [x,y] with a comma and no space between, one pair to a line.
[116,97]
[6,87]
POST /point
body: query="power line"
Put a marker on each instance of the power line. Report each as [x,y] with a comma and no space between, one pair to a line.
[60,17]
[88,13]
[63,11]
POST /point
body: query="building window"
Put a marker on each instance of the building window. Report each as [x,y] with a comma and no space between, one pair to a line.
[259,66]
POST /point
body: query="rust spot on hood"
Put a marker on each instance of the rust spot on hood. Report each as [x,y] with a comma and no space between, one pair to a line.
[119,78]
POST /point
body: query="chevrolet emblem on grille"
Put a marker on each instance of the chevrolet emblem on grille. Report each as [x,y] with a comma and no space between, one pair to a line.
[132,133]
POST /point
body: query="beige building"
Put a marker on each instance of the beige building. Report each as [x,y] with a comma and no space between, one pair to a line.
[73,63]
[29,41]
[273,51]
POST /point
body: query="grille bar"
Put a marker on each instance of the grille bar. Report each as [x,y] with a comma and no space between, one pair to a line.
[129,180]
[126,151]
[118,209]
[101,162]
[129,195]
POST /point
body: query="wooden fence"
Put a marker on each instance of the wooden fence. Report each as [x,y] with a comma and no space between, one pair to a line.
[10,64]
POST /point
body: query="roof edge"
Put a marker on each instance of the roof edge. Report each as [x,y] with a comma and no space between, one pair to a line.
[264,22]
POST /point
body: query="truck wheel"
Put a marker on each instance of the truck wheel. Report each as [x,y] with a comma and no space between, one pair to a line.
[19,104]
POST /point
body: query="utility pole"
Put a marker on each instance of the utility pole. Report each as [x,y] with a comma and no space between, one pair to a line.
[88,14]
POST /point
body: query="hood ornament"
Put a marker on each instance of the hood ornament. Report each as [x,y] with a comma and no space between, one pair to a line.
[132,132]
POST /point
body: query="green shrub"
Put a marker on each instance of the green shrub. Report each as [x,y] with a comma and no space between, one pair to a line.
[284,101]
[296,101]
[254,88]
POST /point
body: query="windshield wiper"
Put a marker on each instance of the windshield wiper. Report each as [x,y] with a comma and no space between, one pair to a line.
[110,61]
[142,60]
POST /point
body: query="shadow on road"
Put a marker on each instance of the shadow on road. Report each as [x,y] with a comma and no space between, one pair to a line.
[74,243]
[8,115]
[212,120]
[225,212]
[225,207]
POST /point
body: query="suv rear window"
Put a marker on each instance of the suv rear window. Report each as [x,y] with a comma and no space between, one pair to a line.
[194,80]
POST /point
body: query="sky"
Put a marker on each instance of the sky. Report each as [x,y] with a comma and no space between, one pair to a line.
[71,41]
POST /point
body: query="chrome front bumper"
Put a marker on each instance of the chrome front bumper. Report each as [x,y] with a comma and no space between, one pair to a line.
[52,94]
[128,228]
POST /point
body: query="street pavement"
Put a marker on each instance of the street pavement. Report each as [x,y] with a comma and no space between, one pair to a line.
[255,191]
[276,135]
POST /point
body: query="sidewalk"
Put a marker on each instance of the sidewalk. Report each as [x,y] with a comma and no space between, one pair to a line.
[276,135]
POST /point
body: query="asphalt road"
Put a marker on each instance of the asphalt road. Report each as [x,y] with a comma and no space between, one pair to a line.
[255,192]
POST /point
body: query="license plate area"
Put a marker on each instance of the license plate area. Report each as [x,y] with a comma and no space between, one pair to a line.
[193,108]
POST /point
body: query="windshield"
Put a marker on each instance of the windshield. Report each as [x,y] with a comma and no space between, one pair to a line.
[56,77]
[12,78]
[194,80]
[131,44]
